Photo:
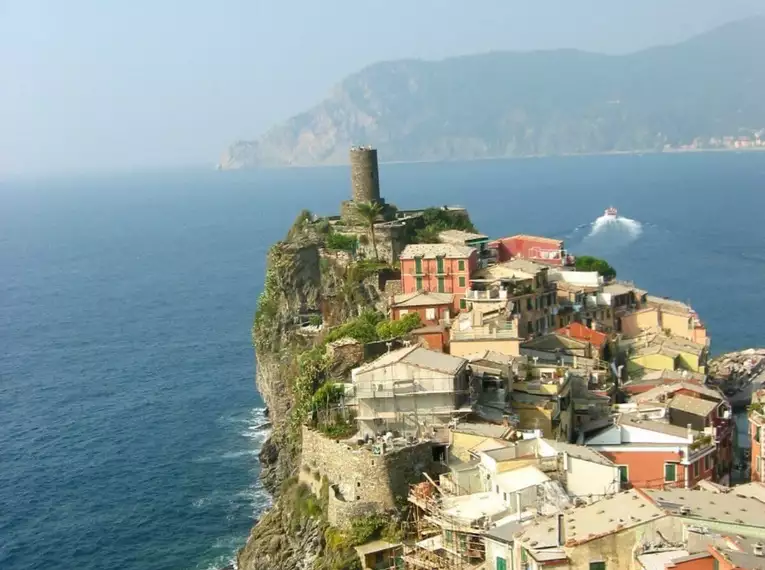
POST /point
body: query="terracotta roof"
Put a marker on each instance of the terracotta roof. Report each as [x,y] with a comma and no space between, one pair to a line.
[422,299]
[582,332]
[433,250]
[418,357]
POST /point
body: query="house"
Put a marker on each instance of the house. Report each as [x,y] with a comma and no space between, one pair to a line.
[602,535]
[438,268]
[656,351]
[467,436]
[499,543]
[406,389]
[432,307]
[650,452]
[522,288]
[536,248]
[679,319]
[380,554]
[579,405]
[578,331]
[588,474]
[474,332]
[480,242]
[703,409]
[757,436]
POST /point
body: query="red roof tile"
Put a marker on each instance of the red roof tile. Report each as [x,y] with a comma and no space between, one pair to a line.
[581,332]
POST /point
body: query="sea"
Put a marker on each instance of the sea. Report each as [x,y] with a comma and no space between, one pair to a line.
[129,420]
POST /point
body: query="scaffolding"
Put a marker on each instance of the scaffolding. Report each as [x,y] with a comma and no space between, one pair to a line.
[441,541]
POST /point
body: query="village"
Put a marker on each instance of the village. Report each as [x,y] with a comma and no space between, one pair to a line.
[525,411]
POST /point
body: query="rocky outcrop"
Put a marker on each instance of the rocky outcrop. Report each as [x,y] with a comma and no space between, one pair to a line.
[298,279]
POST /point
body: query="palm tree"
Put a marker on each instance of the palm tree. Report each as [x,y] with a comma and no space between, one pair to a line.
[370,211]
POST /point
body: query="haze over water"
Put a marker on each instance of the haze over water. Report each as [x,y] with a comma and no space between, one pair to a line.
[130,419]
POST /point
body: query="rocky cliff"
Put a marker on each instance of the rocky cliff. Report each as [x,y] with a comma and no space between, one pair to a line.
[535,103]
[300,277]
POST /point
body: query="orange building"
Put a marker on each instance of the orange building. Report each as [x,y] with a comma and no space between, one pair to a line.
[653,454]
[438,268]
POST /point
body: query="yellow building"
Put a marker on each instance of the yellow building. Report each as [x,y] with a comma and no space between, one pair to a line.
[654,351]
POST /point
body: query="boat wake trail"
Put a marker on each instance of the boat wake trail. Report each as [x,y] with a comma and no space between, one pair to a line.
[610,233]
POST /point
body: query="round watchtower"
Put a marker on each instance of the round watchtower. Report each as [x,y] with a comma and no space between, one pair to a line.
[365,177]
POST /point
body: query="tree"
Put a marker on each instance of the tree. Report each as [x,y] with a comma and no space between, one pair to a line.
[589,263]
[370,211]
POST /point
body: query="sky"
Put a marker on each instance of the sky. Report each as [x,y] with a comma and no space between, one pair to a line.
[133,84]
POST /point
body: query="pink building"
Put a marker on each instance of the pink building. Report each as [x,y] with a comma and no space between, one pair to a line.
[534,248]
[438,268]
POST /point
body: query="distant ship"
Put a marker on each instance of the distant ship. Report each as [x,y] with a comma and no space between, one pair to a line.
[610,212]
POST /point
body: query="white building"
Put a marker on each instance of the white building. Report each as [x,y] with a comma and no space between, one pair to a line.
[411,390]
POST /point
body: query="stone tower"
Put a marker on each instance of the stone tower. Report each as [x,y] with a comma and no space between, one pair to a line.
[365,183]
[365,175]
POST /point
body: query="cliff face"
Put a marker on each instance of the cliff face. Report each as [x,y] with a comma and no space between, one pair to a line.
[298,279]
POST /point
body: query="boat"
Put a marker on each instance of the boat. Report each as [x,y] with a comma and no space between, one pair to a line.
[610,212]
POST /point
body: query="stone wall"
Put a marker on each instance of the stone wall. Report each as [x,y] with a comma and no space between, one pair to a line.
[362,483]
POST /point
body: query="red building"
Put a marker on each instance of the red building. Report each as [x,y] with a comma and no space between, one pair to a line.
[434,337]
[438,268]
[651,453]
[535,248]
[432,307]
[578,331]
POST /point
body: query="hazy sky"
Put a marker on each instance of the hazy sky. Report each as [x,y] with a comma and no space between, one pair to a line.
[98,84]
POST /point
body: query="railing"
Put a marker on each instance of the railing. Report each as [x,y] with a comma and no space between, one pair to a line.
[390,389]
[493,295]
[478,333]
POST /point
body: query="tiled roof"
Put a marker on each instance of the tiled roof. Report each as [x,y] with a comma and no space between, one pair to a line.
[691,405]
[654,394]
[581,332]
[579,451]
[669,304]
[633,420]
[604,517]
[705,505]
[459,235]
[422,299]
[418,357]
[433,250]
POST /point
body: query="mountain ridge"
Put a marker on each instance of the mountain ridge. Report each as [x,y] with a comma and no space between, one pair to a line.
[516,104]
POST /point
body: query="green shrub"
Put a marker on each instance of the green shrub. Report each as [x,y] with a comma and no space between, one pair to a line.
[361,328]
[437,220]
[342,242]
[589,263]
[395,329]
[364,529]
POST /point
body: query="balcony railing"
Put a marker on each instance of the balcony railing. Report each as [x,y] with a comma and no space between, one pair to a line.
[486,333]
[390,389]
[490,295]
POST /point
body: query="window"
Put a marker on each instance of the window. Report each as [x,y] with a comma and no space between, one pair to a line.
[441,287]
[448,535]
[418,283]
[497,489]
[403,312]
[439,264]
[463,304]
[598,565]
[461,265]
[501,563]
[504,497]
[670,472]
[696,468]
[430,313]
[418,265]
[624,474]
[707,462]
[462,281]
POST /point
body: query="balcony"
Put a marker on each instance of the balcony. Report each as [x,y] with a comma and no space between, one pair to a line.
[490,295]
[505,331]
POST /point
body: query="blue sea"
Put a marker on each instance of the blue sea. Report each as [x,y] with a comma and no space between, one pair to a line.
[129,420]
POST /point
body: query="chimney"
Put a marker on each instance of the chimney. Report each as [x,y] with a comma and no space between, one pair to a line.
[477,319]
[757,549]
[690,433]
[561,530]
[574,361]
[389,345]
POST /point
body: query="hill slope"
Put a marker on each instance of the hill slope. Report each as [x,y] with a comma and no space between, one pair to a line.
[535,103]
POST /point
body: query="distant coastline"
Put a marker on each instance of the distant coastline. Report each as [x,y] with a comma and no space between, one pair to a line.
[521,157]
